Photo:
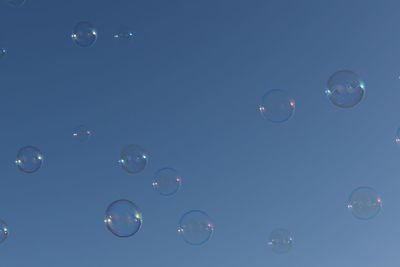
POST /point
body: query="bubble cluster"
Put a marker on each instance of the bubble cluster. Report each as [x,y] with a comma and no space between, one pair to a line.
[29,159]
[133,159]
[195,227]
[167,181]
[364,203]
[84,34]
[123,218]
[280,241]
[3,231]
[277,106]
[82,133]
[345,89]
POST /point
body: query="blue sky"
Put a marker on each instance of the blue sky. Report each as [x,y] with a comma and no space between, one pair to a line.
[187,89]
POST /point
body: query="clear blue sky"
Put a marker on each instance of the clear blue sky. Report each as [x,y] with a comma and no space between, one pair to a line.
[187,90]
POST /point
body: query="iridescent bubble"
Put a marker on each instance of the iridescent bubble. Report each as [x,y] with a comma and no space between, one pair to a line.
[29,159]
[277,106]
[3,231]
[133,159]
[124,35]
[345,89]
[3,52]
[195,227]
[84,34]
[16,3]
[280,241]
[364,203]
[82,133]
[123,218]
[167,181]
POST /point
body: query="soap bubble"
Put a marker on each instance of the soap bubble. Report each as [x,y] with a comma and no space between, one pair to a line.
[397,139]
[84,34]
[29,159]
[3,52]
[167,181]
[3,231]
[82,133]
[280,241]
[277,106]
[195,227]
[124,35]
[123,218]
[16,3]
[133,159]
[364,203]
[345,89]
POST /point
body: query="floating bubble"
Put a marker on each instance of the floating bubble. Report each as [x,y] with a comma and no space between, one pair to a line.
[123,218]
[3,231]
[16,3]
[195,227]
[133,159]
[82,133]
[280,241]
[167,181]
[345,89]
[29,159]
[277,106]
[124,35]
[364,203]
[3,52]
[84,34]
[397,139]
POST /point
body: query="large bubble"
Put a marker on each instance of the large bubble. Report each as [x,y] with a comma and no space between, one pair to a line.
[167,181]
[364,203]
[84,34]
[29,159]
[345,89]
[280,241]
[123,218]
[277,106]
[195,227]
[133,159]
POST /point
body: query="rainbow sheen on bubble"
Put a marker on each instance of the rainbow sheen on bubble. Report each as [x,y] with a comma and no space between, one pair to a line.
[277,106]
[123,218]
[280,241]
[29,159]
[364,203]
[195,227]
[345,89]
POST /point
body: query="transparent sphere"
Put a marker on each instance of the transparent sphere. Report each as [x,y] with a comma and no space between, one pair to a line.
[133,159]
[195,227]
[29,159]
[124,35]
[167,181]
[16,3]
[82,133]
[3,231]
[397,139]
[84,34]
[364,203]
[3,52]
[345,89]
[280,241]
[277,106]
[123,218]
